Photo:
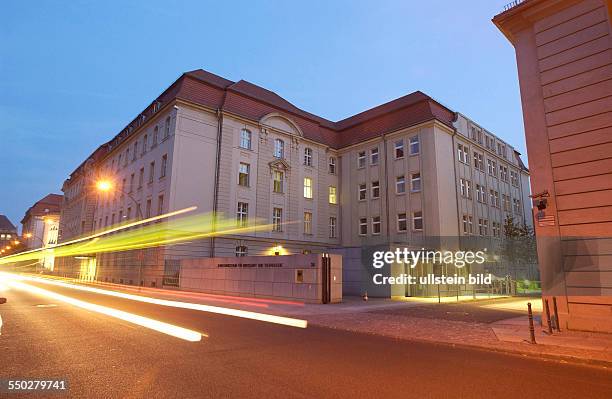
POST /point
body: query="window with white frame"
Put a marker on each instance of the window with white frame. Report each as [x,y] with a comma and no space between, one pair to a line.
[242,250]
[307,222]
[516,205]
[467,224]
[362,192]
[308,156]
[375,189]
[400,184]
[466,188]
[415,182]
[333,197]
[399,149]
[363,226]
[244,172]
[308,187]
[402,222]
[415,146]
[374,156]
[245,139]
[503,173]
[332,165]
[332,226]
[376,225]
[417,221]
[279,148]
[277,219]
[278,178]
[478,164]
[361,159]
[480,194]
[242,214]
[462,153]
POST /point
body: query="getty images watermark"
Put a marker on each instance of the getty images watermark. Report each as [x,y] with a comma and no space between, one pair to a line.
[413,257]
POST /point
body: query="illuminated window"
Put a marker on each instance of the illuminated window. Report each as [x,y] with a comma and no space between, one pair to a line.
[242,214]
[279,148]
[308,156]
[245,139]
[417,221]
[244,170]
[332,227]
[399,149]
[361,159]
[277,219]
[333,199]
[307,222]
[278,177]
[376,225]
[307,187]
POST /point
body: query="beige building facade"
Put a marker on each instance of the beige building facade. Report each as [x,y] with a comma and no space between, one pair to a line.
[393,175]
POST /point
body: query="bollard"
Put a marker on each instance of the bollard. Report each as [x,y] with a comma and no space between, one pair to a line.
[550,331]
[557,323]
[531,329]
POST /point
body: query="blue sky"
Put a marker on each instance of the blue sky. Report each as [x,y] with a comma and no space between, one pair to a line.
[73,73]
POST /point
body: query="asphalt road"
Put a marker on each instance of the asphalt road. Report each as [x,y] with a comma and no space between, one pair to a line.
[103,357]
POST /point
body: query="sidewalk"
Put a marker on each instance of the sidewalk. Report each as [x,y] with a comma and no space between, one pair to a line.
[498,324]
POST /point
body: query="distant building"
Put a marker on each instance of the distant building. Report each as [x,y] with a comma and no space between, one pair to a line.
[41,222]
[8,232]
[564,57]
[391,175]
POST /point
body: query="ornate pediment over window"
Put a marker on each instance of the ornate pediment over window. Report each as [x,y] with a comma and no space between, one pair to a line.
[279,164]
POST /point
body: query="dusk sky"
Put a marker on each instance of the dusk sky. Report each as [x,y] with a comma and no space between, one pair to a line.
[72,74]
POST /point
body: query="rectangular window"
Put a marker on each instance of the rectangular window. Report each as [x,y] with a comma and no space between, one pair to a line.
[333,199]
[242,214]
[332,227]
[415,146]
[277,219]
[167,128]
[399,149]
[332,165]
[363,226]
[415,182]
[465,224]
[244,172]
[308,187]
[480,194]
[148,209]
[279,148]
[164,163]
[151,171]
[462,153]
[308,156]
[127,157]
[245,139]
[374,156]
[141,178]
[478,161]
[307,223]
[361,159]
[278,177]
[145,143]
[375,189]
[376,225]
[155,134]
[362,192]
[242,250]
[400,185]
[466,188]
[402,222]
[417,221]
[160,205]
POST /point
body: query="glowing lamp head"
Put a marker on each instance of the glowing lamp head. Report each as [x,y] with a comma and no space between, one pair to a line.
[104,185]
[28,235]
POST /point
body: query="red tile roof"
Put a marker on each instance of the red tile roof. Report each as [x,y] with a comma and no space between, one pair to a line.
[48,205]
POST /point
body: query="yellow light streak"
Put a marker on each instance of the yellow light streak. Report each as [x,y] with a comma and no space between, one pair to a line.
[287,321]
[160,326]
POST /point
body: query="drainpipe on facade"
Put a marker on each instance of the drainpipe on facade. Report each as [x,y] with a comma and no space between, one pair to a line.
[216,185]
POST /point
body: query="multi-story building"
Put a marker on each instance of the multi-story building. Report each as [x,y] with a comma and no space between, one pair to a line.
[564,58]
[40,226]
[386,176]
[8,233]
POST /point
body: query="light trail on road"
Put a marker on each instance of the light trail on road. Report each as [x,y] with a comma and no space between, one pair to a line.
[160,326]
[245,314]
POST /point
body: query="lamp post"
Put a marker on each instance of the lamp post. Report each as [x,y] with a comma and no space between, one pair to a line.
[106,186]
